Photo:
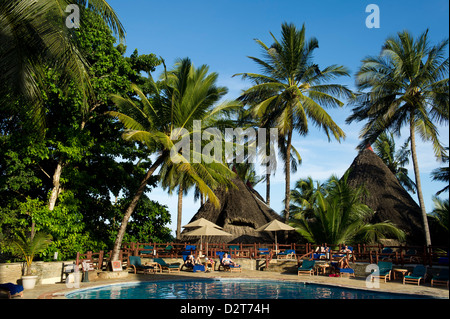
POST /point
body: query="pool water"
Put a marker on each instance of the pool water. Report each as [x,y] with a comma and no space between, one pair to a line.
[229,289]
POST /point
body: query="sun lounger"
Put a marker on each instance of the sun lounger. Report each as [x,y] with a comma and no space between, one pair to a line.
[288,253]
[227,267]
[441,278]
[175,267]
[136,264]
[384,271]
[12,290]
[306,268]
[263,251]
[419,273]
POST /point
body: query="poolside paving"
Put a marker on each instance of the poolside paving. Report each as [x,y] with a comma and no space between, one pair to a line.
[57,291]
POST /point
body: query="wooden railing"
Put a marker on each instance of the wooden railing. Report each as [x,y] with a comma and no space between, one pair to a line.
[361,252]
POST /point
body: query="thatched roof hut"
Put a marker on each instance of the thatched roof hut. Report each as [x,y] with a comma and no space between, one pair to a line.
[386,197]
[242,210]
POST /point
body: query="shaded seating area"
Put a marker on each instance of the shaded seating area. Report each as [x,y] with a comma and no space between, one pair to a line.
[12,290]
[306,268]
[440,279]
[383,272]
[418,274]
[136,263]
[175,267]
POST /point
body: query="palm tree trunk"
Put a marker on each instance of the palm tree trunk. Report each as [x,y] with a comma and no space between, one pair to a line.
[180,208]
[56,185]
[418,185]
[132,206]
[287,193]
[268,188]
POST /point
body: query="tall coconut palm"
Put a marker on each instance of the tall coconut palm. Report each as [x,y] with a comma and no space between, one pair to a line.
[185,95]
[292,90]
[34,34]
[395,160]
[407,84]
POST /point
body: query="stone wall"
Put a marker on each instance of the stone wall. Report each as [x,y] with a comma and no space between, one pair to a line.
[48,272]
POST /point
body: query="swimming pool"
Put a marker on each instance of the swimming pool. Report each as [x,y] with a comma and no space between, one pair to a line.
[229,289]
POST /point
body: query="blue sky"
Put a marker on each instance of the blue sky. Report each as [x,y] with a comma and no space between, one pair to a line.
[221,34]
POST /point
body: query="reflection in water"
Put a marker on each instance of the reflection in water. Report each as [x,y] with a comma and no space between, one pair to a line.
[228,289]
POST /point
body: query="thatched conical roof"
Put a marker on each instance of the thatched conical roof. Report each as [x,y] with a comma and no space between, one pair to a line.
[386,197]
[242,210]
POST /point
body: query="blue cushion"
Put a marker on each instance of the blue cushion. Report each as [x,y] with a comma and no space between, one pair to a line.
[198,268]
[12,288]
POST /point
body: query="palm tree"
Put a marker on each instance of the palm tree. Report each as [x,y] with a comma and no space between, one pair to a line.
[340,217]
[442,173]
[305,196]
[407,85]
[186,94]
[396,161]
[33,34]
[292,90]
[29,247]
[440,211]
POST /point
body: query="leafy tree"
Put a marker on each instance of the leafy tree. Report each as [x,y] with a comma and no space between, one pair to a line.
[407,84]
[292,90]
[34,35]
[81,158]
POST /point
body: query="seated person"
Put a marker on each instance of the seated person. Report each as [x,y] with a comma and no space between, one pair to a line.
[190,262]
[345,249]
[321,252]
[226,260]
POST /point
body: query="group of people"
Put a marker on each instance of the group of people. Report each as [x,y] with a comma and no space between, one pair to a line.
[226,260]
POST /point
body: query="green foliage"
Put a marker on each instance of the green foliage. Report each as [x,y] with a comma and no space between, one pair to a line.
[337,216]
[98,167]
[28,247]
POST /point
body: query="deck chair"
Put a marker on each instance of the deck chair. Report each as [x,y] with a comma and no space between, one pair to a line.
[175,267]
[288,253]
[419,272]
[441,278]
[12,290]
[231,268]
[307,267]
[387,253]
[263,251]
[136,264]
[383,272]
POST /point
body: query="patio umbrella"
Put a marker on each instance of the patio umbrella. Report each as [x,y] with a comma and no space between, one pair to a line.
[207,230]
[201,222]
[275,226]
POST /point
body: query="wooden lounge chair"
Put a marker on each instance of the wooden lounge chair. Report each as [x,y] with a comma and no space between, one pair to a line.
[12,290]
[383,272]
[288,253]
[306,268]
[136,264]
[441,279]
[419,272]
[175,267]
[226,267]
